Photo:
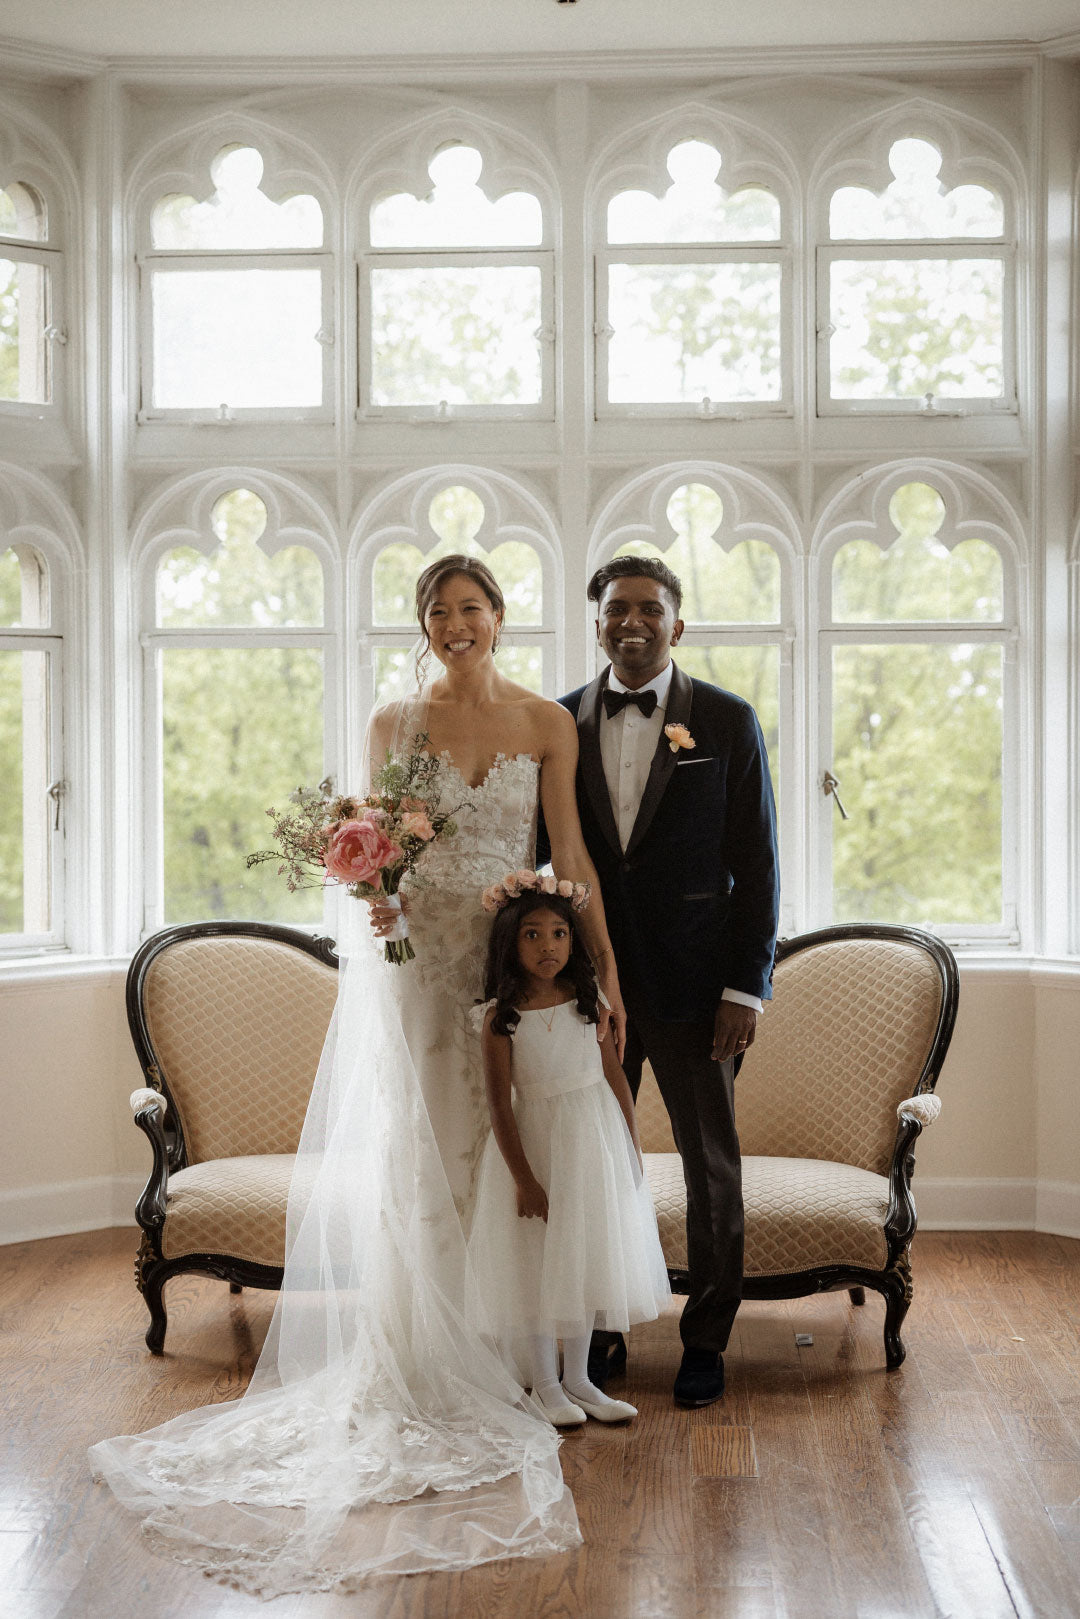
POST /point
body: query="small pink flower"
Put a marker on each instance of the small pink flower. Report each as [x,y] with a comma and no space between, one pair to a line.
[679,737]
[547,885]
[510,885]
[581,896]
[566,889]
[489,902]
[526,878]
[359,851]
[415,824]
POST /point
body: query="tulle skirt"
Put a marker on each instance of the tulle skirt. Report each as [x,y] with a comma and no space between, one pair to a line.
[597,1260]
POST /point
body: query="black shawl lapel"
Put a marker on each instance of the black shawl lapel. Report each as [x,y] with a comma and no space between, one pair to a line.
[680,699]
[590,762]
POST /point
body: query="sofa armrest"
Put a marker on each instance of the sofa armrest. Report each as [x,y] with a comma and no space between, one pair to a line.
[149,1108]
[913,1115]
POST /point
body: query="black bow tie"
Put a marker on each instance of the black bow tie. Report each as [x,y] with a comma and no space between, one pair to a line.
[616,701]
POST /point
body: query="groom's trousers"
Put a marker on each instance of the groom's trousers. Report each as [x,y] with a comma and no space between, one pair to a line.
[699,1095]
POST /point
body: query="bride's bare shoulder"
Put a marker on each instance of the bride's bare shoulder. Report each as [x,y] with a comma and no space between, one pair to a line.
[550,722]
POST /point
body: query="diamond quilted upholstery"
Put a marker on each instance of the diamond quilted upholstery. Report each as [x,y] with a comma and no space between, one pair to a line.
[234,1206]
[238,1025]
[844,1040]
[654,1126]
[801,1213]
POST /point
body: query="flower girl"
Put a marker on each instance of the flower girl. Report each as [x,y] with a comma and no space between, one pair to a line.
[564,1234]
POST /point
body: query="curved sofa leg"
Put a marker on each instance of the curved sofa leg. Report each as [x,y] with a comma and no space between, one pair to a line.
[154,1294]
[897,1292]
[857,1295]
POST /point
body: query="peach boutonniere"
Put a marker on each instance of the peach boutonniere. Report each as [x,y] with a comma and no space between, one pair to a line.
[679,737]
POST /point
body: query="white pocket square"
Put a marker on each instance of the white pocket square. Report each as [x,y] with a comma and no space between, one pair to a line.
[708,759]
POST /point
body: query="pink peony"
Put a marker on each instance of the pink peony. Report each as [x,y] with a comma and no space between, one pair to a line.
[359,851]
[548,885]
[415,824]
[566,889]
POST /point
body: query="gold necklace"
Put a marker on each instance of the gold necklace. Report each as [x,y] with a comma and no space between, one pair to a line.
[548,1022]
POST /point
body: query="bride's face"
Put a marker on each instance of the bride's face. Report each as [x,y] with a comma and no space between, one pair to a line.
[461,624]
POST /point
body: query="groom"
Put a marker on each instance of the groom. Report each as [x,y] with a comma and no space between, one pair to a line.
[677,810]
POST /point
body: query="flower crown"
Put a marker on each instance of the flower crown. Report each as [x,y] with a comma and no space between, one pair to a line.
[516,883]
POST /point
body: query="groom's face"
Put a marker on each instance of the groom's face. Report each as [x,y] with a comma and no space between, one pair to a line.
[637,627]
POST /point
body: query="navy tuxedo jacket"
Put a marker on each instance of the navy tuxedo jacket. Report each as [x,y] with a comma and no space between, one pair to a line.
[692,905]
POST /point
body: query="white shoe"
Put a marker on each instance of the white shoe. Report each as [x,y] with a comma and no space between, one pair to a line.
[602,1409]
[561,1414]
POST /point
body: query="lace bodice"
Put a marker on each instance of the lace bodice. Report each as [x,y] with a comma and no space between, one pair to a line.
[496,833]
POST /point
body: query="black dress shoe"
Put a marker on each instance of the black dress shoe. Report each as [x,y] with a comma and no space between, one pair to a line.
[607,1356]
[700,1378]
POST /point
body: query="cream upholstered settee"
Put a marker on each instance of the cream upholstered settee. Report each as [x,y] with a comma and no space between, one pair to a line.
[829,1102]
[228,1020]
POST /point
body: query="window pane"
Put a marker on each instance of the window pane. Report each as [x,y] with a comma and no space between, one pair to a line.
[525,664]
[694,208]
[915,204]
[740,586]
[466,335]
[238,215]
[238,583]
[457,213]
[907,327]
[23,319]
[22,213]
[245,338]
[515,565]
[24,781]
[24,589]
[686,332]
[241,728]
[917,577]
[917,734]
[752,672]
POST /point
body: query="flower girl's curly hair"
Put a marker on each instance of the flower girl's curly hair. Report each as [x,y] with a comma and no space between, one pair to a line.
[504,982]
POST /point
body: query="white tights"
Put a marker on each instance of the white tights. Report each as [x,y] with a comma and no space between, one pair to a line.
[544,1359]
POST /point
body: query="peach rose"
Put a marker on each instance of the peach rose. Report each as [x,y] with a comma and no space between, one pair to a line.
[565,889]
[510,885]
[548,885]
[359,851]
[415,824]
[679,737]
[581,896]
[526,878]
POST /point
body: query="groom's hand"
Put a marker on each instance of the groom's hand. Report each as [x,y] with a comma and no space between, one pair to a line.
[733,1031]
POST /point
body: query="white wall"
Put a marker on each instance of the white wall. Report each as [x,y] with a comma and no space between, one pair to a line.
[1004,1154]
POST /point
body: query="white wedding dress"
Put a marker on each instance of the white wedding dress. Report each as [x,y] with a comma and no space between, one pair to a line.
[380,1433]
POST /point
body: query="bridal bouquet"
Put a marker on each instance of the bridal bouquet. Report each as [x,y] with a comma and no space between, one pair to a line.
[366,844]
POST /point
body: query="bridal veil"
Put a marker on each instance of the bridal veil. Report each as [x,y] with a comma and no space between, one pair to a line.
[380,1433]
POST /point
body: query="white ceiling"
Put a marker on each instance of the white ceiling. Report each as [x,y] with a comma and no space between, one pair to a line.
[362,29]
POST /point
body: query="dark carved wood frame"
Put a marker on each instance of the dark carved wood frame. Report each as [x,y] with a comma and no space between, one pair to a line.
[894,1279]
[152,1269]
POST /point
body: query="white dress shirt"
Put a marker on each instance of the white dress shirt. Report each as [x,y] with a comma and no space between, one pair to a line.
[627,746]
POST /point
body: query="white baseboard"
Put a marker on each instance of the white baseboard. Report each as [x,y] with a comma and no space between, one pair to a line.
[1057,1208]
[976,1204]
[66,1207]
[944,1205]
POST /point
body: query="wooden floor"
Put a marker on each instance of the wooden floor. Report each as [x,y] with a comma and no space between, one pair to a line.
[820,1488]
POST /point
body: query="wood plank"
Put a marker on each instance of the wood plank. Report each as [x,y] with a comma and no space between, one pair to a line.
[723,1452]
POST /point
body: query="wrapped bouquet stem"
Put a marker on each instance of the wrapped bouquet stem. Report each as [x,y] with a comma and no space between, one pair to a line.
[367,844]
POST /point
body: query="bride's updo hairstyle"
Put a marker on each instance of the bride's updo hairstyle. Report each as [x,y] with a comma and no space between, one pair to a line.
[435,576]
[504,981]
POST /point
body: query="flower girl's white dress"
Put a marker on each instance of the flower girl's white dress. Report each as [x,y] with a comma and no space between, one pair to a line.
[598,1257]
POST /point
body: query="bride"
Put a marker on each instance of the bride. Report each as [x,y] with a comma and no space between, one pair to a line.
[380,1433]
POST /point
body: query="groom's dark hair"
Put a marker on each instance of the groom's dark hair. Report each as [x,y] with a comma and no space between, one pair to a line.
[503,978]
[636,568]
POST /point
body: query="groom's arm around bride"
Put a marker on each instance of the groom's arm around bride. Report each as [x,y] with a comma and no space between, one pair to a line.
[677,812]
